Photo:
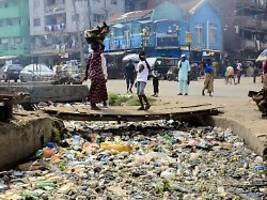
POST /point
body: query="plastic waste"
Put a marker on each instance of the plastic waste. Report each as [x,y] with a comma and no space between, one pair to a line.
[76,142]
[117,148]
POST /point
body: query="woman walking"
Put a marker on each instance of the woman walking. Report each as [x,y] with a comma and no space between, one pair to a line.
[209,78]
[98,90]
[96,67]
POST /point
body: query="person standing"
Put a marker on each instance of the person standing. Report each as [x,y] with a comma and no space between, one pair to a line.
[238,71]
[209,78]
[264,70]
[143,69]
[183,75]
[155,75]
[94,71]
[130,75]
[229,75]
[105,71]
[255,73]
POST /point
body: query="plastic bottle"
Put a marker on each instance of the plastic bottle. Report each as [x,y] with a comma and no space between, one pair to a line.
[76,142]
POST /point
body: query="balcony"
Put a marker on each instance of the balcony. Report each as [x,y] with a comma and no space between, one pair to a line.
[55,9]
[248,44]
[251,23]
[250,5]
[54,6]
[55,28]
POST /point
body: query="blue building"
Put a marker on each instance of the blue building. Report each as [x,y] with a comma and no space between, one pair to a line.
[167,31]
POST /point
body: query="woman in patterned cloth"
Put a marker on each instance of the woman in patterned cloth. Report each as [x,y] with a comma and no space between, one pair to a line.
[94,71]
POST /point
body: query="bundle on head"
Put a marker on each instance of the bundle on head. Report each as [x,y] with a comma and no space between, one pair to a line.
[97,34]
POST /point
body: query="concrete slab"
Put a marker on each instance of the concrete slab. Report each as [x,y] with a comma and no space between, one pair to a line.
[25,134]
[46,92]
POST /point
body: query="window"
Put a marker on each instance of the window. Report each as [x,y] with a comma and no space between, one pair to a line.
[199,35]
[98,17]
[75,17]
[212,34]
[36,22]
[36,3]
[114,2]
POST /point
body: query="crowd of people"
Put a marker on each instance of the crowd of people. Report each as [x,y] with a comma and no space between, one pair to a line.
[137,76]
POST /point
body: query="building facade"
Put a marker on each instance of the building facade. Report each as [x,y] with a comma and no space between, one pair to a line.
[14,28]
[132,5]
[245,27]
[56,25]
[166,31]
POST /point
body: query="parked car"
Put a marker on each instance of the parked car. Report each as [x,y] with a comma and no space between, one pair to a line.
[10,72]
[36,72]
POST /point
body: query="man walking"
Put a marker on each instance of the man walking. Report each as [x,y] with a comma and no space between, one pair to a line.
[238,71]
[264,70]
[183,75]
[209,78]
[155,75]
[130,75]
[143,69]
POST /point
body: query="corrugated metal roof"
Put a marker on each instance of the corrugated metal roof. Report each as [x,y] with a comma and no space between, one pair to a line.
[129,16]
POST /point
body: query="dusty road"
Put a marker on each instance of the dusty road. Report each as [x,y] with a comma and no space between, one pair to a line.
[170,89]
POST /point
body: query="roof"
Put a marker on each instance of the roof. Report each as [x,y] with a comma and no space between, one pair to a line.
[129,16]
[190,5]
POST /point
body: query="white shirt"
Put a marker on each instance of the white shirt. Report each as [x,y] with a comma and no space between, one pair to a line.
[239,66]
[143,75]
[104,66]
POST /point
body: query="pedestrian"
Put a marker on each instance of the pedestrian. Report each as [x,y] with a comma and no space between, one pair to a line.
[264,70]
[255,73]
[105,70]
[238,71]
[230,75]
[155,75]
[94,71]
[130,75]
[183,75]
[143,69]
[209,78]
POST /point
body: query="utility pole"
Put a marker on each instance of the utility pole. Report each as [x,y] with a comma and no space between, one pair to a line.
[77,23]
[89,13]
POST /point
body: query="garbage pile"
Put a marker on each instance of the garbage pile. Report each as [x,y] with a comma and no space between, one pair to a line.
[134,161]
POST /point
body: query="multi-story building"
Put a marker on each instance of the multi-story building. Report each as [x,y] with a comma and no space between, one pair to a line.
[55,25]
[244,24]
[167,31]
[14,28]
[245,27]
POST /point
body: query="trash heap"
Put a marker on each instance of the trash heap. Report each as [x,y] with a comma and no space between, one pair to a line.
[156,160]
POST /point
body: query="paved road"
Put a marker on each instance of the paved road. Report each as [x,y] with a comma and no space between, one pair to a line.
[170,88]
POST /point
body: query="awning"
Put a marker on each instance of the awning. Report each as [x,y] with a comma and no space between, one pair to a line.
[114,53]
[145,21]
[7,57]
[133,57]
[118,26]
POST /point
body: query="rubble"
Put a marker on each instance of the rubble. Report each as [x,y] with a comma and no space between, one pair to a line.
[146,160]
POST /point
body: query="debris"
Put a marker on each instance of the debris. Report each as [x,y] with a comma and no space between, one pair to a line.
[146,160]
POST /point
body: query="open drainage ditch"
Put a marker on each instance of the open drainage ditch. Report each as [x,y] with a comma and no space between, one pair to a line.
[146,160]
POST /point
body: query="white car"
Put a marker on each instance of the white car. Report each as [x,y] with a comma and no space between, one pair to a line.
[36,72]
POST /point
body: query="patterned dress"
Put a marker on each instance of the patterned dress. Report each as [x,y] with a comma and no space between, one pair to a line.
[98,89]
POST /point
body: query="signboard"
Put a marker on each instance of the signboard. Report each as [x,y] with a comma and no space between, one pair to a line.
[188,37]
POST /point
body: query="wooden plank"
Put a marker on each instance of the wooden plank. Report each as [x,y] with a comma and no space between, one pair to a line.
[82,113]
